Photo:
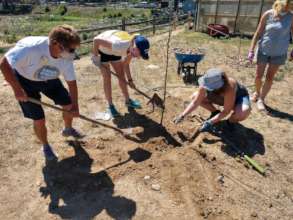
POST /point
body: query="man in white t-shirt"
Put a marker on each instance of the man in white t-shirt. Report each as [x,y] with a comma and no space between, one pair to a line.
[117,48]
[33,66]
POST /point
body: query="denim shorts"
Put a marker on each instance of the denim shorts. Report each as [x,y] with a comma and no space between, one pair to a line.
[243,100]
[53,89]
[276,60]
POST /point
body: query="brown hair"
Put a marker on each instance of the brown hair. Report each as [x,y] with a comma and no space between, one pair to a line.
[65,35]
[225,85]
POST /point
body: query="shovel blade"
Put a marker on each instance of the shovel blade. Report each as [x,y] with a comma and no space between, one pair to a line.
[157,101]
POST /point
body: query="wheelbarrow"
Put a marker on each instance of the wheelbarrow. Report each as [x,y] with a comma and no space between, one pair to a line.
[187,64]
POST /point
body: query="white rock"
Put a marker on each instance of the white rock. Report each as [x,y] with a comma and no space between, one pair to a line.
[152,67]
[146,178]
[156,187]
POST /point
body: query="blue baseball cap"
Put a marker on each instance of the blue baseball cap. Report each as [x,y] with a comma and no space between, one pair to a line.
[143,46]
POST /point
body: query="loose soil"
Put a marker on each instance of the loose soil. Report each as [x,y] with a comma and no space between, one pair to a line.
[103,175]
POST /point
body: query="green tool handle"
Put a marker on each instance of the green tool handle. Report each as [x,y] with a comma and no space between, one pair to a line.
[253,163]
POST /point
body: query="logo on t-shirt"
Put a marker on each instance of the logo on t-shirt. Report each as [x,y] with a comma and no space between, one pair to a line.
[47,73]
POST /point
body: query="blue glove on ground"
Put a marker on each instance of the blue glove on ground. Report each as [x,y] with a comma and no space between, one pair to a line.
[207,126]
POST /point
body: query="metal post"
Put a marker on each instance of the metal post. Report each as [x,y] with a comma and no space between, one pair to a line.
[216,13]
[154,25]
[198,14]
[123,26]
[237,15]
[195,13]
[260,11]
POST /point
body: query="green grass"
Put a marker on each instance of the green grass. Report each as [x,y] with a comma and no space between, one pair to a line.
[41,22]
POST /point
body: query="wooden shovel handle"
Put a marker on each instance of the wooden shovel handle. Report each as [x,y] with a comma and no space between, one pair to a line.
[35,101]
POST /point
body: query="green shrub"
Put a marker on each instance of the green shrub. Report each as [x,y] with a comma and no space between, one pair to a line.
[47,9]
[61,10]
[104,9]
[11,39]
[84,36]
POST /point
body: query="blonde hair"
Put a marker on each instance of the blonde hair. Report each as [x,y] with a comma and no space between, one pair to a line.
[66,35]
[279,6]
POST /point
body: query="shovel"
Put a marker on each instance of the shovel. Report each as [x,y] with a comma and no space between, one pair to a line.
[242,155]
[124,132]
[155,100]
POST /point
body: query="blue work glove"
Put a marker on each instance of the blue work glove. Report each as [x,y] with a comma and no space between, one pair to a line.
[207,126]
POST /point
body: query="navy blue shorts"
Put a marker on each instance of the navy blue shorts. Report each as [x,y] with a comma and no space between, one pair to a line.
[105,58]
[53,89]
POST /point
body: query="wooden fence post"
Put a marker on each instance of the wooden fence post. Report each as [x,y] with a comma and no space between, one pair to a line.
[237,15]
[216,14]
[154,25]
[123,25]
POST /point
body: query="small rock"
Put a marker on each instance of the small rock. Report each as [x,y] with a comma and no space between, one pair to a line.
[205,213]
[146,178]
[156,187]
[247,165]
[39,183]
[214,158]
[152,67]
[238,159]
[203,154]
[271,205]
[5,83]
[210,198]
[254,214]
[220,179]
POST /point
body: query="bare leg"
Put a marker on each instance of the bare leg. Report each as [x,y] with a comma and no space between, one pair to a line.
[105,70]
[67,117]
[205,103]
[118,67]
[272,70]
[41,130]
[260,69]
[241,112]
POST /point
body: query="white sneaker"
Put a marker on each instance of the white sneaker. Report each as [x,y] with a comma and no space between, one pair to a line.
[260,105]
